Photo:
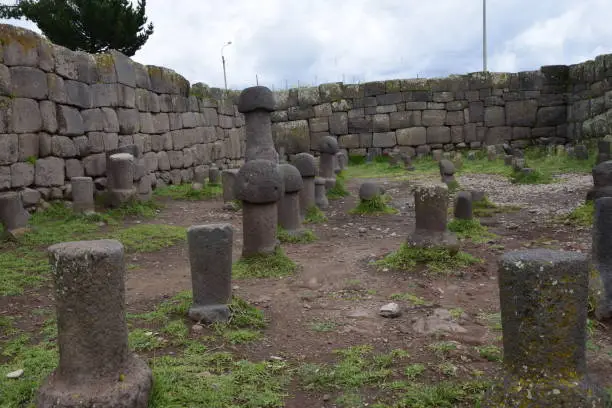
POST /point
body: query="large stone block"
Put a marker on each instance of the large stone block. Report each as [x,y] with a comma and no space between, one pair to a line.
[129,121]
[294,136]
[25,116]
[442,97]
[74,168]
[9,149]
[389,99]
[494,116]
[126,74]
[27,82]
[521,113]
[167,81]
[57,88]
[348,141]
[69,121]
[48,113]
[319,124]
[359,124]
[498,135]
[93,120]
[5,178]
[22,174]
[49,172]
[374,88]
[406,119]
[380,123]
[28,146]
[63,146]
[309,96]
[338,123]
[226,122]
[161,123]
[95,165]
[455,118]
[79,94]
[331,92]
[438,134]
[285,98]
[104,95]
[297,113]
[414,136]
[433,117]
[19,46]
[552,116]
[476,109]
[384,139]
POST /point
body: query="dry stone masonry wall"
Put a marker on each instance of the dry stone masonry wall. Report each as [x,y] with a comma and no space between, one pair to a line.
[62,112]
[554,105]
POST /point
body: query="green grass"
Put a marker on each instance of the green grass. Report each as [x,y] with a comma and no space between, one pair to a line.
[413,371]
[275,265]
[582,215]
[492,320]
[303,237]
[437,260]
[443,394]
[199,377]
[471,229]
[409,297]
[486,208]
[25,264]
[323,326]
[339,189]
[314,215]
[533,177]
[490,352]
[186,192]
[375,206]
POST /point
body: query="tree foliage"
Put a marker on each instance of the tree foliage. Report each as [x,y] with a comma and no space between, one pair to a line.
[87,25]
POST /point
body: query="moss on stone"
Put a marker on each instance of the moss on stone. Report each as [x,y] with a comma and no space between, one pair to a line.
[26,38]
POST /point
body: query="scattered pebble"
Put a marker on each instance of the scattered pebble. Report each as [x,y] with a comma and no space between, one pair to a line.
[15,374]
[390,310]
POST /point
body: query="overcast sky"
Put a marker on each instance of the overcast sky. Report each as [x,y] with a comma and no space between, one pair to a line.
[286,41]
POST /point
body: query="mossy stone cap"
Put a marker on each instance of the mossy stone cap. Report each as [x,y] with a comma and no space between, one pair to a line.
[256,97]
[306,164]
[328,144]
[292,179]
[259,182]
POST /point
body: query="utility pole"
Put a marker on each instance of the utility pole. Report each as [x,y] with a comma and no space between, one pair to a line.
[484,35]
[223,61]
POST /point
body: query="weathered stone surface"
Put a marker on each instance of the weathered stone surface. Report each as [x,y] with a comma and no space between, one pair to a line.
[69,121]
[521,113]
[384,139]
[434,117]
[210,258]
[293,136]
[21,174]
[338,123]
[321,200]
[49,172]
[494,116]
[406,119]
[369,190]
[551,116]
[438,134]
[12,214]
[544,335]
[79,94]
[256,98]
[259,182]
[25,116]
[463,206]
[414,136]
[63,146]
[129,121]
[27,82]
[9,149]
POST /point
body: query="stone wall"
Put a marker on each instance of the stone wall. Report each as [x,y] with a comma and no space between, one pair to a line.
[554,105]
[62,111]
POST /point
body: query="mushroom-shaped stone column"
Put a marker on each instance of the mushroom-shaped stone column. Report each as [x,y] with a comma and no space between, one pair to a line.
[328,147]
[543,297]
[259,186]
[96,368]
[256,103]
[307,166]
[289,205]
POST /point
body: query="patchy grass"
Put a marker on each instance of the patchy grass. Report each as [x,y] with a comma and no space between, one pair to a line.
[453,186]
[314,215]
[490,352]
[492,320]
[323,326]
[533,177]
[409,297]
[25,261]
[582,215]
[471,229]
[437,260]
[443,394]
[375,206]
[339,189]
[486,208]
[275,265]
[186,192]
[199,377]
[303,237]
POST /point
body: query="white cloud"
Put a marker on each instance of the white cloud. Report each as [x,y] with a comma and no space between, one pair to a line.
[286,41]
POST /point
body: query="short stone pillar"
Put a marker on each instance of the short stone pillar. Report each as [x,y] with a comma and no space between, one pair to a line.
[289,205]
[228,180]
[508,160]
[82,195]
[210,259]
[131,149]
[307,166]
[602,181]
[602,255]
[214,174]
[321,200]
[121,173]
[431,211]
[463,206]
[581,152]
[95,367]
[13,216]
[259,186]
[328,147]
[491,153]
[256,103]
[604,151]
[543,297]
[437,155]
[342,160]
[447,171]
[407,160]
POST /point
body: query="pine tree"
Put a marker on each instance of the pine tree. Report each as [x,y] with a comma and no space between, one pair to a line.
[87,25]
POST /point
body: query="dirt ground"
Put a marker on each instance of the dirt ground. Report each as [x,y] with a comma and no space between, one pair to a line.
[336,283]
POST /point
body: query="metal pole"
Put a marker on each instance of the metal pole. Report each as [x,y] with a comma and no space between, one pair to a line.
[223,61]
[256,79]
[484,35]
